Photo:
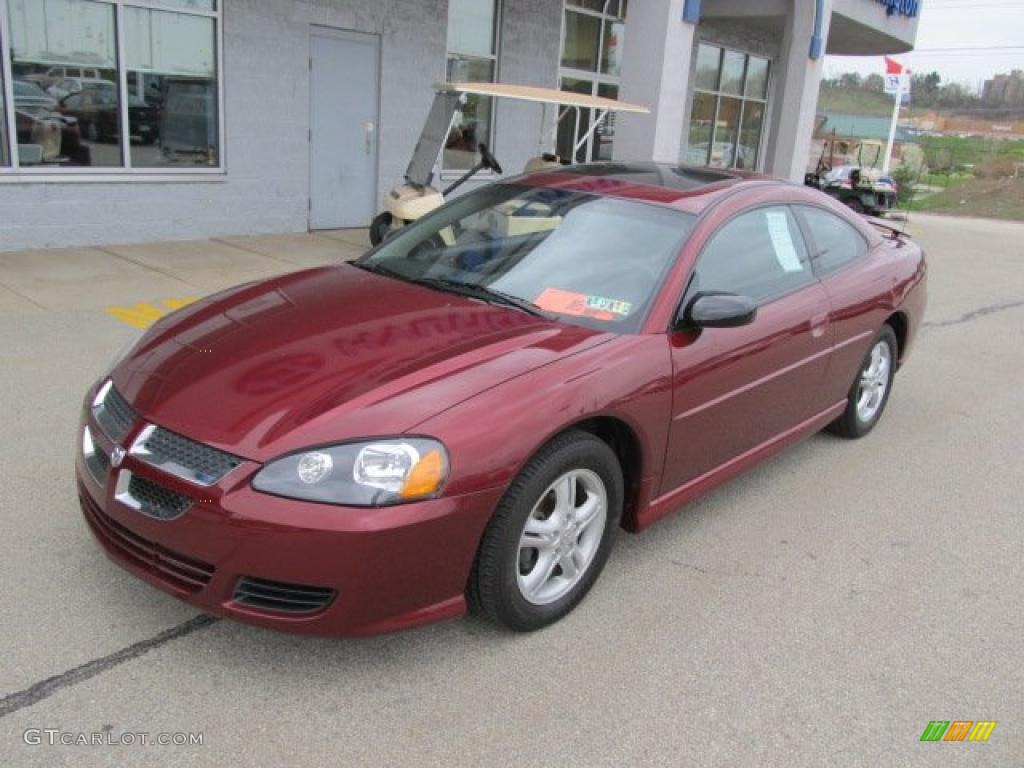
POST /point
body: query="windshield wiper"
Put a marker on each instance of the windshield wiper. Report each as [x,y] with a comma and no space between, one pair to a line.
[483,293]
[380,269]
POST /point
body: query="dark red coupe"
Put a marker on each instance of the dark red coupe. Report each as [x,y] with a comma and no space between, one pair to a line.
[469,412]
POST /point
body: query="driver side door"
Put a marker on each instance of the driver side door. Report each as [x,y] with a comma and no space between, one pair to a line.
[736,390]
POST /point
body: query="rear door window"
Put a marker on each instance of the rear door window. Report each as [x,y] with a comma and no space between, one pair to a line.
[834,242]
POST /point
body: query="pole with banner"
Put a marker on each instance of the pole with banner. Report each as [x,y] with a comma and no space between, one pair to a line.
[897,82]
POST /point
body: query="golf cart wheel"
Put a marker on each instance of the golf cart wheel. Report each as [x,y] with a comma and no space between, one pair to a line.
[380,228]
[855,205]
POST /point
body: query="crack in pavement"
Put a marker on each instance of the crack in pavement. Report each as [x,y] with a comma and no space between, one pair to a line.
[975,314]
[48,687]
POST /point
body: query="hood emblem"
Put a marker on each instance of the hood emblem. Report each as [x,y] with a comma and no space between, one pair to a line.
[117,456]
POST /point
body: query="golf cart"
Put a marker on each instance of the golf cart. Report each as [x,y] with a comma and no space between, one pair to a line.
[855,183]
[416,197]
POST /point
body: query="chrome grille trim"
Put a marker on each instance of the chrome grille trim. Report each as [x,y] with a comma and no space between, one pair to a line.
[184,458]
[112,412]
[96,461]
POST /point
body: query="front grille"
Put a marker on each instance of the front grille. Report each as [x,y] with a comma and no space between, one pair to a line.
[281,597]
[114,415]
[156,501]
[184,573]
[183,457]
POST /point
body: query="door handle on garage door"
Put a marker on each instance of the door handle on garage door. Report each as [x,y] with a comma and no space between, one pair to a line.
[369,128]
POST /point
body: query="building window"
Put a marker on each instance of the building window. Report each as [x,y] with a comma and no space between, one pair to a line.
[111,85]
[592,37]
[472,57]
[729,104]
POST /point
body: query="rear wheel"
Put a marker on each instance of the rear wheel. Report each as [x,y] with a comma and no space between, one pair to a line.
[870,390]
[551,534]
[854,205]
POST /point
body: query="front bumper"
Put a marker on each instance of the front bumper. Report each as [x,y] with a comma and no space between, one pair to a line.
[386,569]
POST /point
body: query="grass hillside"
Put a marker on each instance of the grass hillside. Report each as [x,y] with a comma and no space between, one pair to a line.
[986,198]
[854,102]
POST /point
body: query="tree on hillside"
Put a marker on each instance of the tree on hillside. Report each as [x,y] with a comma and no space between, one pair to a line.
[925,88]
[874,82]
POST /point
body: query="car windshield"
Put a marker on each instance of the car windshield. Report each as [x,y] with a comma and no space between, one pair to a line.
[589,260]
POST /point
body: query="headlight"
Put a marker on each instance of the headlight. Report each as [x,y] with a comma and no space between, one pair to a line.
[365,474]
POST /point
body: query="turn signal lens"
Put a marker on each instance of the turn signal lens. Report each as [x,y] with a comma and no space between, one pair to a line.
[426,477]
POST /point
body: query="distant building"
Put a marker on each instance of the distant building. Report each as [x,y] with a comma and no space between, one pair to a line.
[1005,90]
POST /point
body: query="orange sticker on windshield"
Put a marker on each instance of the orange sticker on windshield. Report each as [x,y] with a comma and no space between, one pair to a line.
[582,305]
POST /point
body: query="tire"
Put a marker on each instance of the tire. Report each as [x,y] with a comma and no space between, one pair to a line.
[855,205]
[858,419]
[503,567]
[380,228]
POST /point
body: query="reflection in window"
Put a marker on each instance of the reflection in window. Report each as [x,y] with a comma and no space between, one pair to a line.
[72,65]
[67,112]
[702,124]
[592,46]
[582,41]
[727,115]
[172,89]
[472,57]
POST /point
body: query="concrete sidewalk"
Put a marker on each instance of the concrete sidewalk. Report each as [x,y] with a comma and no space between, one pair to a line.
[160,274]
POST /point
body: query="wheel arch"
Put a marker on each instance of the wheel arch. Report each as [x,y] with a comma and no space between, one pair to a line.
[899,323]
[622,438]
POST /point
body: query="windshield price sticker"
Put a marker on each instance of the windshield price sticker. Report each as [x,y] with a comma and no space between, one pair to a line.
[582,305]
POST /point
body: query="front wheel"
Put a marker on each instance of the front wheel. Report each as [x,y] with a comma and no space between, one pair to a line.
[870,390]
[550,535]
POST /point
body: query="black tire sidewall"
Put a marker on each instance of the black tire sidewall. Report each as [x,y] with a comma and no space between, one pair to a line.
[379,228]
[585,452]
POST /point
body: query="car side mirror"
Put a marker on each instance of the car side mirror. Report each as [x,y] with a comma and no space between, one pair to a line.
[717,310]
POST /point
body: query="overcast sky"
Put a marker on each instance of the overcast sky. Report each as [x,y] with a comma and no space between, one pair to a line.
[979,25]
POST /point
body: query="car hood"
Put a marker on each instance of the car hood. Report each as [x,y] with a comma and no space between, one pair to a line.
[326,355]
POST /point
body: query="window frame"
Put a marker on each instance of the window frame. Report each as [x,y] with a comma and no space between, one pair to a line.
[495,58]
[596,78]
[14,173]
[812,246]
[690,290]
[718,94]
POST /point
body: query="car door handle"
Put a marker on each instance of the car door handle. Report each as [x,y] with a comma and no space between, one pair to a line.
[818,325]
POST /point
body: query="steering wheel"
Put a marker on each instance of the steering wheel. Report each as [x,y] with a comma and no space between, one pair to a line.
[489,160]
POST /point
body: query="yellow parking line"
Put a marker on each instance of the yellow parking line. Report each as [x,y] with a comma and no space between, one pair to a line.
[144,315]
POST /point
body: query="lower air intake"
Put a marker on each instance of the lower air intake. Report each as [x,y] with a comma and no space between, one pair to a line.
[280,597]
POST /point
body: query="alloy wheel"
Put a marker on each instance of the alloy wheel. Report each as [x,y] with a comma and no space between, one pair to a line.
[561,536]
[874,382]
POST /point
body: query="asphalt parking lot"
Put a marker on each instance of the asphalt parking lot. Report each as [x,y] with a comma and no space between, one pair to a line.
[819,611]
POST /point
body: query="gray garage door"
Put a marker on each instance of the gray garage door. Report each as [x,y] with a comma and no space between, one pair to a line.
[344,87]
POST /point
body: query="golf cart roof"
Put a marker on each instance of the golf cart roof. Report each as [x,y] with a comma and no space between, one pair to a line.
[543,95]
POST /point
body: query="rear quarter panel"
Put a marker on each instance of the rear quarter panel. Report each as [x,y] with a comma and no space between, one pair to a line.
[890,279]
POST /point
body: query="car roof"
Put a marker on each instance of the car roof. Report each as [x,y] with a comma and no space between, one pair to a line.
[685,187]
